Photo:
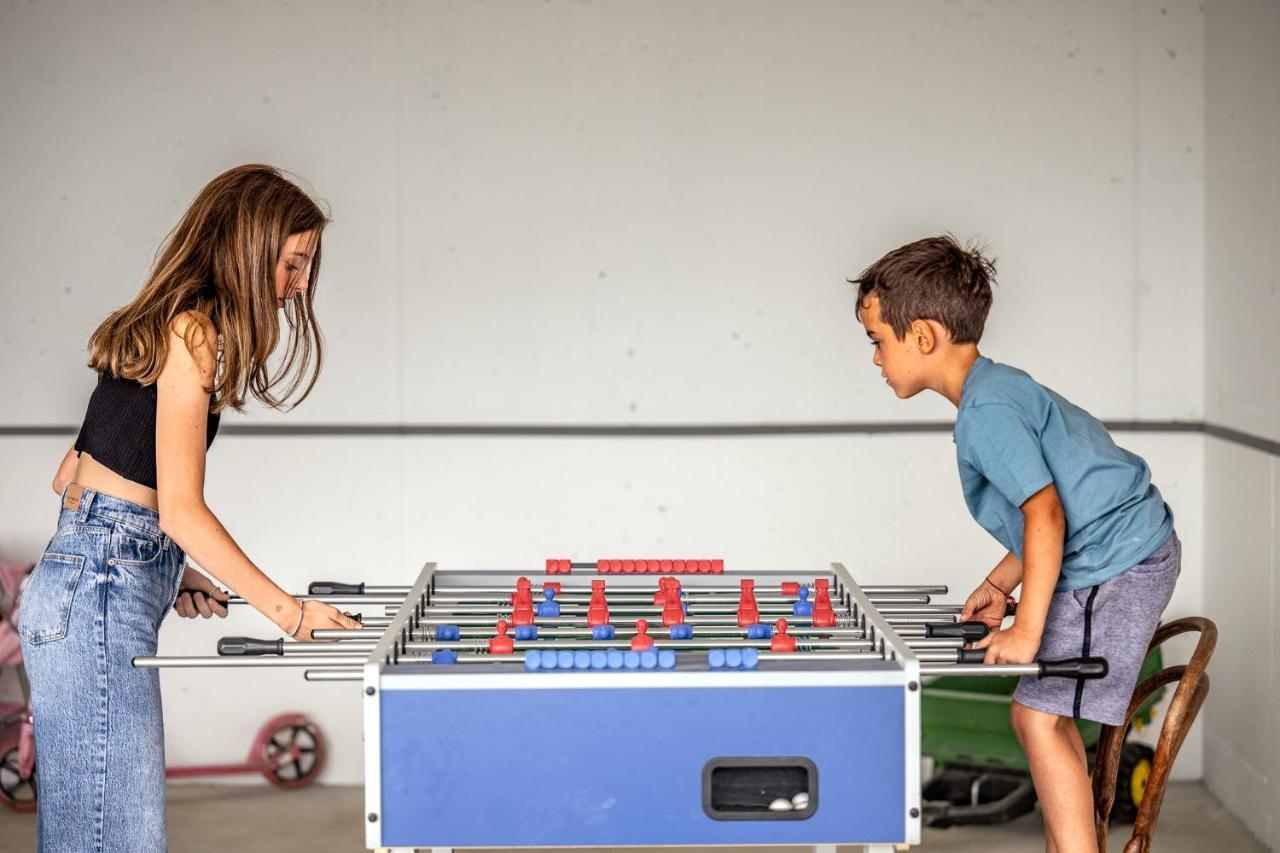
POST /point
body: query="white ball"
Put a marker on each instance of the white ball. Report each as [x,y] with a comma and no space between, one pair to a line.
[782,804]
[800,801]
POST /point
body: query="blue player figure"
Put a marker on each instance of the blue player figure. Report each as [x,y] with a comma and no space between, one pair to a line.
[549,607]
[803,607]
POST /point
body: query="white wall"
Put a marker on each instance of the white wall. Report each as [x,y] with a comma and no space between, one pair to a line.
[609,213]
[1242,308]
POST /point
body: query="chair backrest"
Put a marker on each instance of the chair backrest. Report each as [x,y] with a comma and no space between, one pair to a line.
[1193,687]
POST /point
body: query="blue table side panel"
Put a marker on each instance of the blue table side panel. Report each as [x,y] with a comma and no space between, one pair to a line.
[624,766]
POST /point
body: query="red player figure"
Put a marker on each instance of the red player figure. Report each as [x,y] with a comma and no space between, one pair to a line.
[641,642]
[748,613]
[522,615]
[523,593]
[522,603]
[672,609]
[661,595]
[823,615]
[782,641]
[501,644]
[597,608]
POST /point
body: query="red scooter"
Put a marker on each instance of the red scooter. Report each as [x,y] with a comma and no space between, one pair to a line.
[289,749]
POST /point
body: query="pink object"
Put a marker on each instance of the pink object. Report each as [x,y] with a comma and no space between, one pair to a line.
[12,577]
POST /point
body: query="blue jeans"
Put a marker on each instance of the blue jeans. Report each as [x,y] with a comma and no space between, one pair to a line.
[93,602]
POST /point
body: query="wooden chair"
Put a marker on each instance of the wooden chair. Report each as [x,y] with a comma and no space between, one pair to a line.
[1193,687]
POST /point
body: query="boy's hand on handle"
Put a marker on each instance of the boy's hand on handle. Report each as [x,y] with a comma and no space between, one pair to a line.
[985,604]
[198,596]
[1012,646]
[316,615]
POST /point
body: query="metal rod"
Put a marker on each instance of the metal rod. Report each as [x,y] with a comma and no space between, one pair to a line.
[917,609]
[629,611]
[634,598]
[922,620]
[937,656]
[979,669]
[660,643]
[350,647]
[247,660]
[331,674]
[336,600]
[346,633]
[729,587]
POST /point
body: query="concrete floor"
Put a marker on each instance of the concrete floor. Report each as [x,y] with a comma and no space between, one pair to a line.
[317,820]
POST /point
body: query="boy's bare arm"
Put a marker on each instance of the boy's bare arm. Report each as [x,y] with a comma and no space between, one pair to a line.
[1043,535]
[1007,574]
[1042,542]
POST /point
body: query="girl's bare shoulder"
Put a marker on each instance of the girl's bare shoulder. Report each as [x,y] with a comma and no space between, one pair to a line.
[197,331]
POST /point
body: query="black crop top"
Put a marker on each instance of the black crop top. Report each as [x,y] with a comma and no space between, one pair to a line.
[119,428]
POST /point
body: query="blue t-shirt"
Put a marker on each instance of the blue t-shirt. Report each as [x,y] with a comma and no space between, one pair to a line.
[1014,437]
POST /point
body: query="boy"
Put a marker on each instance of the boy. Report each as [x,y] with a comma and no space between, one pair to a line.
[1088,536]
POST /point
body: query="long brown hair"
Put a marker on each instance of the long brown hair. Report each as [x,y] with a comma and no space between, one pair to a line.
[220,261]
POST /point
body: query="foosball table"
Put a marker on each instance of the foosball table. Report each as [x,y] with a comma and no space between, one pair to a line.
[638,702]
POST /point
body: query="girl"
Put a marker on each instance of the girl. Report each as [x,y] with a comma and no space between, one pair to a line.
[196,340]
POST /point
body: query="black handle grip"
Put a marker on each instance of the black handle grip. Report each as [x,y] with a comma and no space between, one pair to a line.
[335,588]
[970,632]
[971,655]
[1074,668]
[249,646]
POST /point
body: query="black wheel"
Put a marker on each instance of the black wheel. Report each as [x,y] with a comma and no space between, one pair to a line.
[292,749]
[1131,781]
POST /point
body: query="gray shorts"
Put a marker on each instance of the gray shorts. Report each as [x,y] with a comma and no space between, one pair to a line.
[1114,620]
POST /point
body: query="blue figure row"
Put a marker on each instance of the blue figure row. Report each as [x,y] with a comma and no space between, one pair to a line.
[598,659]
[733,658]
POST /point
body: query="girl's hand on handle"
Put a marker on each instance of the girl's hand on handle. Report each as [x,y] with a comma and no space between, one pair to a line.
[198,596]
[316,615]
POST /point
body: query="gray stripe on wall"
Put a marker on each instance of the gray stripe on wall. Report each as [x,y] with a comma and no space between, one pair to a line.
[1245,439]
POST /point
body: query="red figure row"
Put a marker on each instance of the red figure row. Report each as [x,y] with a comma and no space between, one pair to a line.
[666,567]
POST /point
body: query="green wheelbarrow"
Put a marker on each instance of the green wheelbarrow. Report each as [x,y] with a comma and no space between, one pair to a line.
[980,774]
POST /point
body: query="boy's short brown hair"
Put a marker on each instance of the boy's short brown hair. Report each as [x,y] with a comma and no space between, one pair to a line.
[932,279]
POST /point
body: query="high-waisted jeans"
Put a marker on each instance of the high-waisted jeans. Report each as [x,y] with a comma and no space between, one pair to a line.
[94,602]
